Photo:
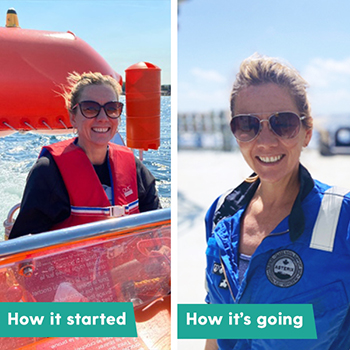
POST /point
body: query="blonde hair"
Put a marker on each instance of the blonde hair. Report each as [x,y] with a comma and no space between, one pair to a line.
[258,70]
[77,82]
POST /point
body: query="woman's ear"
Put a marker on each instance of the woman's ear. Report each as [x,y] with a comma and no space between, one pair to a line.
[72,118]
[307,138]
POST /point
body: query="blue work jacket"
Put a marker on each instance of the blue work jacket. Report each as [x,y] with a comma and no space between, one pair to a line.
[305,260]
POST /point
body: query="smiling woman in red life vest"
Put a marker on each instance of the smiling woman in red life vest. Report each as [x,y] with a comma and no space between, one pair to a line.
[87,178]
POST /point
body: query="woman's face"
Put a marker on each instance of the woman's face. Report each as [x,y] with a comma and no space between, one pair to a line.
[274,159]
[96,132]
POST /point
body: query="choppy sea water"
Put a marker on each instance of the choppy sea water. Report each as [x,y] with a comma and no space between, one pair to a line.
[19,151]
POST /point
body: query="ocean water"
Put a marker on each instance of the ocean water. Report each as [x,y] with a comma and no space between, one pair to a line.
[19,151]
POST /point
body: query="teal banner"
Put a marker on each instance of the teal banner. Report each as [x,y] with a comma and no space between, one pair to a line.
[246,321]
[67,320]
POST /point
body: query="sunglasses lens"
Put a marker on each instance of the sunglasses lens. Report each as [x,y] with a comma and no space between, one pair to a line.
[89,109]
[245,127]
[113,109]
[286,125]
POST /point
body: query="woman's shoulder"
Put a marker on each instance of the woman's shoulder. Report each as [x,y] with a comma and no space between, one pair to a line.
[325,189]
[331,200]
[231,201]
[44,171]
[142,171]
[222,212]
[44,164]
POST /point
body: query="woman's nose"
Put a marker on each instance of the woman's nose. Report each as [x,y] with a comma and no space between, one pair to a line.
[102,115]
[266,135]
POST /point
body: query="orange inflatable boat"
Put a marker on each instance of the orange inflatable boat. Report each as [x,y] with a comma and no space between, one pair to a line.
[34,65]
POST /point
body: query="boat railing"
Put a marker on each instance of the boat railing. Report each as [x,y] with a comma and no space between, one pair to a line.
[124,259]
[122,225]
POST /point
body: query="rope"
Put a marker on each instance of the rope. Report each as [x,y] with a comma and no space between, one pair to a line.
[48,126]
[8,125]
[8,223]
[32,127]
[61,121]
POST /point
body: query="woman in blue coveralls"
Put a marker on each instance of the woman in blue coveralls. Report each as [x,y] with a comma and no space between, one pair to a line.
[280,236]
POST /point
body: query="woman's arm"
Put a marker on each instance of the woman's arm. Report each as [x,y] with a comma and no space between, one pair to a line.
[211,344]
[146,185]
[45,200]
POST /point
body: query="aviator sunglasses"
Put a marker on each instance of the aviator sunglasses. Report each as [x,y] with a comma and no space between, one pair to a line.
[246,127]
[91,109]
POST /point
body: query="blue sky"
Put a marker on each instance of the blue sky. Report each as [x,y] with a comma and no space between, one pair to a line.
[215,36]
[124,32]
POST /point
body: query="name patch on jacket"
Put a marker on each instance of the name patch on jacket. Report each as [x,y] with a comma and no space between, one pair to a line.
[284,269]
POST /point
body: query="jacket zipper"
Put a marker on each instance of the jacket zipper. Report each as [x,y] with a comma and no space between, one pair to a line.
[224,270]
[227,281]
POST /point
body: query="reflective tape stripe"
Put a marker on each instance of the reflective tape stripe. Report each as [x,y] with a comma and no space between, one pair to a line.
[327,220]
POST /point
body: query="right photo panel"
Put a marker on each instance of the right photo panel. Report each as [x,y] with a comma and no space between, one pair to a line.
[263,175]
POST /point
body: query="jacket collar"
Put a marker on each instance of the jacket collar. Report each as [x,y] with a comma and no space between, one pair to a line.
[241,196]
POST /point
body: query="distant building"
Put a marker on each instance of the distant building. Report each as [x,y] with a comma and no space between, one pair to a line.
[165,89]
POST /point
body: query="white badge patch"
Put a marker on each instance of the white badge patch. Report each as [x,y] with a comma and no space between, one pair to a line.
[127,191]
[284,269]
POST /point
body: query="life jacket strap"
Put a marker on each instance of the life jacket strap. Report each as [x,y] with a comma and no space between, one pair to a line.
[114,211]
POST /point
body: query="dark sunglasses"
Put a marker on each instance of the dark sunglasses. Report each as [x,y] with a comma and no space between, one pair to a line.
[246,127]
[91,109]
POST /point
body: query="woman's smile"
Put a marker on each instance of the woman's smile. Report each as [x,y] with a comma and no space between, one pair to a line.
[270,159]
[101,130]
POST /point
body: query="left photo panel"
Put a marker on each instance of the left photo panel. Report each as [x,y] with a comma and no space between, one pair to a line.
[85,169]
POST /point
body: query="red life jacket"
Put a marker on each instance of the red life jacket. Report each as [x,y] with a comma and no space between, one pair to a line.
[88,199]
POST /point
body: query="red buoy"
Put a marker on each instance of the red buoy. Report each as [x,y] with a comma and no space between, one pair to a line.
[142,95]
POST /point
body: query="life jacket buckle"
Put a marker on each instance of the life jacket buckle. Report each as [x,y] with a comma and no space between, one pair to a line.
[116,211]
